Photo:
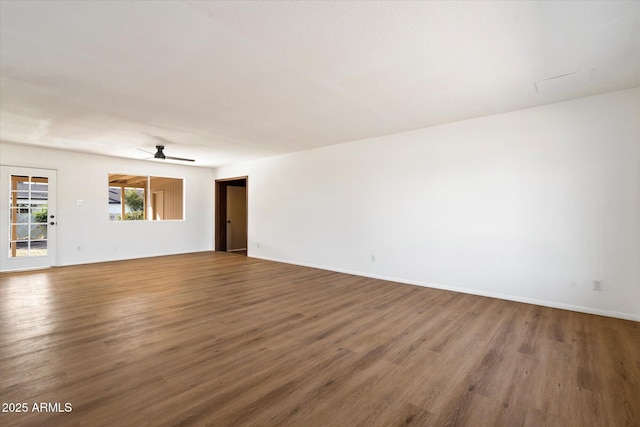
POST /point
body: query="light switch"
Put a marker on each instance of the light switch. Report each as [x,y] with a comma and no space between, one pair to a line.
[79,202]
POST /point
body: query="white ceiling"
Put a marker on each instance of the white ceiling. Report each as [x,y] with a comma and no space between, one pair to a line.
[225,82]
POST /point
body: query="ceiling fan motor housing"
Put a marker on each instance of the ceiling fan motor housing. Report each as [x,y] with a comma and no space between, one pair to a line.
[159,154]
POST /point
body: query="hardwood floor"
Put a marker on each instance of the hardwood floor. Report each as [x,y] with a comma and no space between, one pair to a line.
[224,340]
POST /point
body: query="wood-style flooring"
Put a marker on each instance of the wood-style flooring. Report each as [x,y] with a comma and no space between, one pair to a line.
[218,339]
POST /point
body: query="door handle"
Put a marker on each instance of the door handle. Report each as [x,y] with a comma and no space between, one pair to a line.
[52,223]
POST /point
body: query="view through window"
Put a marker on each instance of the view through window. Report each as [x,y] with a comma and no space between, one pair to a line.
[139,198]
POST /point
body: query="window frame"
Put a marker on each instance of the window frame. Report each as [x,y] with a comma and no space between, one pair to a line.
[123,182]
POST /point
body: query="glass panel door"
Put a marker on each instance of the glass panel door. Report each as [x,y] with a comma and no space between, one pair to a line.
[28,205]
[28,218]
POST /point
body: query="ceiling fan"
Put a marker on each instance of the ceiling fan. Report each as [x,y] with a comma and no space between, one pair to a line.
[159,154]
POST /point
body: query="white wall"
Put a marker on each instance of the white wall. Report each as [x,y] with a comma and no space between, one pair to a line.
[85,177]
[531,205]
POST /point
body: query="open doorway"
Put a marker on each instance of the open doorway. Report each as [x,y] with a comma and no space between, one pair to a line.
[231,215]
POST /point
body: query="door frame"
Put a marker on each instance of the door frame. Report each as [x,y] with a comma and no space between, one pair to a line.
[220,220]
[26,263]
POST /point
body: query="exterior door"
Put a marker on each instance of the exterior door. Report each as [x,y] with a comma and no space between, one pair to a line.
[27,218]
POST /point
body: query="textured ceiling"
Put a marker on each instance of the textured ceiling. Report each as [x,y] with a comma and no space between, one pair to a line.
[225,82]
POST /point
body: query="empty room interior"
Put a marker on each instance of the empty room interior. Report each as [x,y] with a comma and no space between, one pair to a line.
[320,213]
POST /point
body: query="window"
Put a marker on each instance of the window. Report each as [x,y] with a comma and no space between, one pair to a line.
[28,216]
[139,198]
[167,200]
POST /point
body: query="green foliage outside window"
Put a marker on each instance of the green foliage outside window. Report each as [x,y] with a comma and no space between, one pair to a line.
[134,200]
[134,216]
[41,216]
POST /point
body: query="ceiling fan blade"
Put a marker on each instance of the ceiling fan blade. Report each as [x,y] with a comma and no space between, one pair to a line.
[179,158]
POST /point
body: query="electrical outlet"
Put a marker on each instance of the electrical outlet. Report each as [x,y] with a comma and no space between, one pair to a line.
[597,285]
[258,245]
[373,258]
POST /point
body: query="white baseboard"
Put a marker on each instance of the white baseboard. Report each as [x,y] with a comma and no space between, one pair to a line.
[534,301]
